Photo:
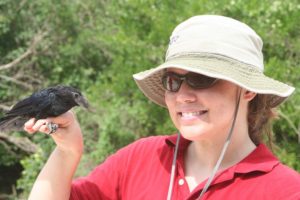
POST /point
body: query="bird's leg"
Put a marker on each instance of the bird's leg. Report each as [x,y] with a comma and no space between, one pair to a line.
[52,127]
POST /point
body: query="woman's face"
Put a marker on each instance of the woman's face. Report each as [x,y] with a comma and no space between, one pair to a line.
[202,113]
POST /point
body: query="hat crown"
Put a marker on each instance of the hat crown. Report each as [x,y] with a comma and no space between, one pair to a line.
[217,35]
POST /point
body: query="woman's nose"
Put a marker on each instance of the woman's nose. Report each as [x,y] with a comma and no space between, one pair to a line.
[186,94]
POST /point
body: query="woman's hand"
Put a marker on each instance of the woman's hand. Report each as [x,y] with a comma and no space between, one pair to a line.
[68,136]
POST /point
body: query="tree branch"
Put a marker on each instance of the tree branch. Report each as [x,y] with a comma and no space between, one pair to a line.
[25,85]
[22,143]
[35,41]
[4,107]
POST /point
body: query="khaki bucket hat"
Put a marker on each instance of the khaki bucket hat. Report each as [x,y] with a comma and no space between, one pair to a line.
[219,47]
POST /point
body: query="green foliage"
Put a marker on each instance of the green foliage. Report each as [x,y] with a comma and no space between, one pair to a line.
[98,45]
[30,164]
[9,154]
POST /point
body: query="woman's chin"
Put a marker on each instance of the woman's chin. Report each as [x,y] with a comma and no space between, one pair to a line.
[193,132]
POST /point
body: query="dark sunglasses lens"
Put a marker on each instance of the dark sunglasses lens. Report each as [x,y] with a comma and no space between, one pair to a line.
[171,82]
[199,81]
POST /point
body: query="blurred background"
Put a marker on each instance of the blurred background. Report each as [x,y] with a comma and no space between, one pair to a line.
[96,46]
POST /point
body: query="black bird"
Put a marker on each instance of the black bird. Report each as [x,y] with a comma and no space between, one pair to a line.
[48,102]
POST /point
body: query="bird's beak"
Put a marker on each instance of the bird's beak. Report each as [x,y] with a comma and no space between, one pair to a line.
[83,102]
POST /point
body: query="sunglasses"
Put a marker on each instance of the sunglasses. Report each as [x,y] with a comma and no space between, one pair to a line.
[172,81]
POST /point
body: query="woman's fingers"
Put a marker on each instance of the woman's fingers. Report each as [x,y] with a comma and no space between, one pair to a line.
[28,126]
[42,125]
[32,125]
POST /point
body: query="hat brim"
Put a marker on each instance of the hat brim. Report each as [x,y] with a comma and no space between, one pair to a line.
[217,66]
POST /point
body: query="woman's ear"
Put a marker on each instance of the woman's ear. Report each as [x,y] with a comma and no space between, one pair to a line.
[248,95]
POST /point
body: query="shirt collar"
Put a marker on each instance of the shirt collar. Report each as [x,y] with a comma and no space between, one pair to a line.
[260,159]
[183,143]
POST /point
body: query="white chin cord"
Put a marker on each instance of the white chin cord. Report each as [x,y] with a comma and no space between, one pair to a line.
[211,177]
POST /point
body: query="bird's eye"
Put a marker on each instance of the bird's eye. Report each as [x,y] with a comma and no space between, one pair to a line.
[76,95]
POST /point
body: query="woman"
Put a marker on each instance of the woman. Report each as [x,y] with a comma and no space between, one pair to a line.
[213,86]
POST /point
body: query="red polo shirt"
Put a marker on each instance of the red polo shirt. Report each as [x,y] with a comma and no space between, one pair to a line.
[142,171]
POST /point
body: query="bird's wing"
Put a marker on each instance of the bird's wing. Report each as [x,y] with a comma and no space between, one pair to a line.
[22,107]
[44,108]
[32,105]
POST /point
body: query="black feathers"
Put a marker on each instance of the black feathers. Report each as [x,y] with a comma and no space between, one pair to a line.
[49,102]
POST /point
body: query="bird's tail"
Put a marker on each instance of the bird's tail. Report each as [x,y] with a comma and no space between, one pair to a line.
[9,123]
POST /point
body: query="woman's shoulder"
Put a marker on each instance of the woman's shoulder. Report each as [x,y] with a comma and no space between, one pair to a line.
[279,172]
[282,172]
[269,163]
[284,182]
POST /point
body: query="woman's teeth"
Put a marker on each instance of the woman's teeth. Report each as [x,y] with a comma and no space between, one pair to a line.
[192,114]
